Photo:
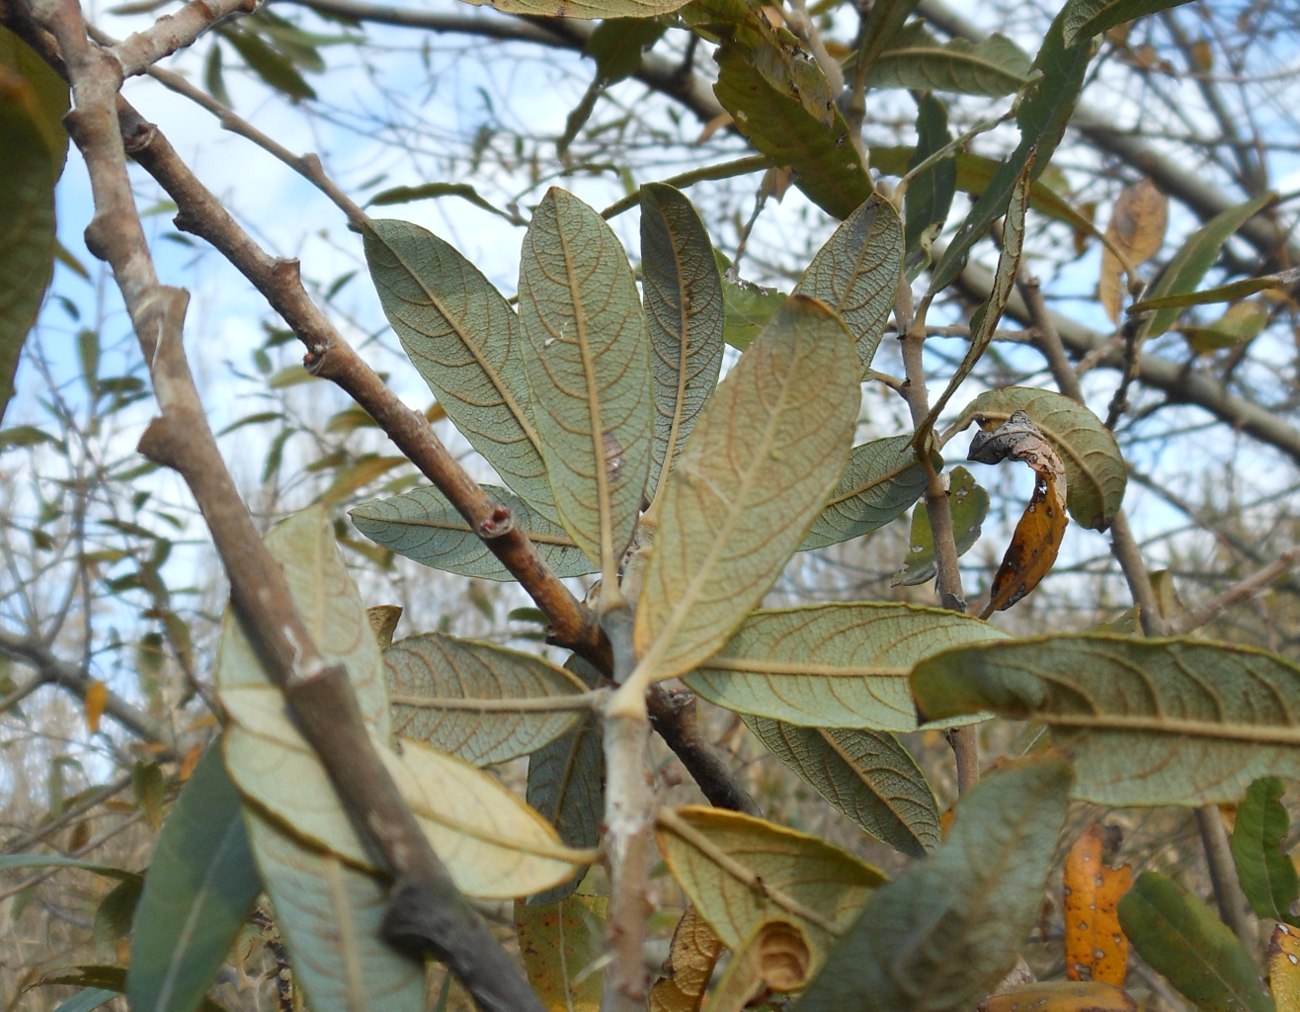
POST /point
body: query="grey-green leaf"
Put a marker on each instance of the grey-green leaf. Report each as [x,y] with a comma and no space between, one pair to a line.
[198,891]
[938,938]
[882,480]
[456,695]
[1267,874]
[1149,722]
[1086,18]
[463,338]
[1094,467]
[833,665]
[856,272]
[968,503]
[762,459]
[1178,935]
[423,525]
[685,317]
[867,775]
[915,59]
[929,195]
[589,372]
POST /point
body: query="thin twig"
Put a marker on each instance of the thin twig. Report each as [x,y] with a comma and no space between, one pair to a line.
[1241,591]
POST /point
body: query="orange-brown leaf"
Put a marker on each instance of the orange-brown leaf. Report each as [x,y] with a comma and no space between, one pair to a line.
[686,972]
[1284,968]
[1061,996]
[1096,948]
[1137,230]
[96,700]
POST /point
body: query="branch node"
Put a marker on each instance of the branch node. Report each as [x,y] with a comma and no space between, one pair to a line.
[498,523]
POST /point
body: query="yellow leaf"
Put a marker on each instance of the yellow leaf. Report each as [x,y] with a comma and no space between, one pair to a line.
[1284,968]
[96,699]
[383,620]
[1061,996]
[1136,230]
[562,944]
[1095,946]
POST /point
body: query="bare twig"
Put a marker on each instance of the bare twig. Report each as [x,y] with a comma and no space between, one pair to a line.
[674,716]
[1241,591]
[175,31]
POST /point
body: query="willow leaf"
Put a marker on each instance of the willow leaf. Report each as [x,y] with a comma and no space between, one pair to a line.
[685,317]
[1086,18]
[589,372]
[832,665]
[867,775]
[471,699]
[882,480]
[756,472]
[914,59]
[1150,722]
[856,272]
[423,525]
[463,338]
[1095,472]
[941,936]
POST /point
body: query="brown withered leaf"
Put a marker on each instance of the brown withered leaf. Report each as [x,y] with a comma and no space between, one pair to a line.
[775,959]
[1037,538]
[1095,946]
[686,972]
[1284,968]
[1060,996]
[1137,230]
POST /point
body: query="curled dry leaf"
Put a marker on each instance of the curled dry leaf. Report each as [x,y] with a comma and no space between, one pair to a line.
[1137,230]
[1037,538]
[686,972]
[1095,946]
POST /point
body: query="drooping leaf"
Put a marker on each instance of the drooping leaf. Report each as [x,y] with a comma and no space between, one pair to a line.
[740,871]
[464,339]
[1137,230]
[1240,323]
[275,69]
[758,467]
[566,782]
[562,944]
[692,955]
[586,10]
[423,525]
[1042,114]
[618,45]
[589,371]
[1267,875]
[33,146]
[198,891]
[493,845]
[856,272]
[1178,935]
[883,478]
[1086,18]
[1060,996]
[915,59]
[330,915]
[939,937]
[867,775]
[470,699]
[1195,257]
[1149,722]
[685,316]
[780,100]
[832,665]
[929,194]
[432,191]
[1037,537]
[1227,292]
[968,504]
[1095,471]
[1095,945]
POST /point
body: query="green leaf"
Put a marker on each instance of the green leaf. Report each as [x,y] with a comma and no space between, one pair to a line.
[781,102]
[914,59]
[968,503]
[1149,722]
[1095,471]
[470,699]
[867,775]
[748,307]
[10,861]
[1086,18]
[566,782]
[856,272]
[273,67]
[330,915]
[563,946]
[431,191]
[589,372]
[756,472]
[422,525]
[942,935]
[33,146]
[463,338]
[740,871]
[619,44]
[685,317]
[882,480]
[1197,256]
[1044,110]
[832,665]
[1229,292]
[1267,875]
[1178,935]
[929,194]
[199,889]
[88,1000]
[585,10]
